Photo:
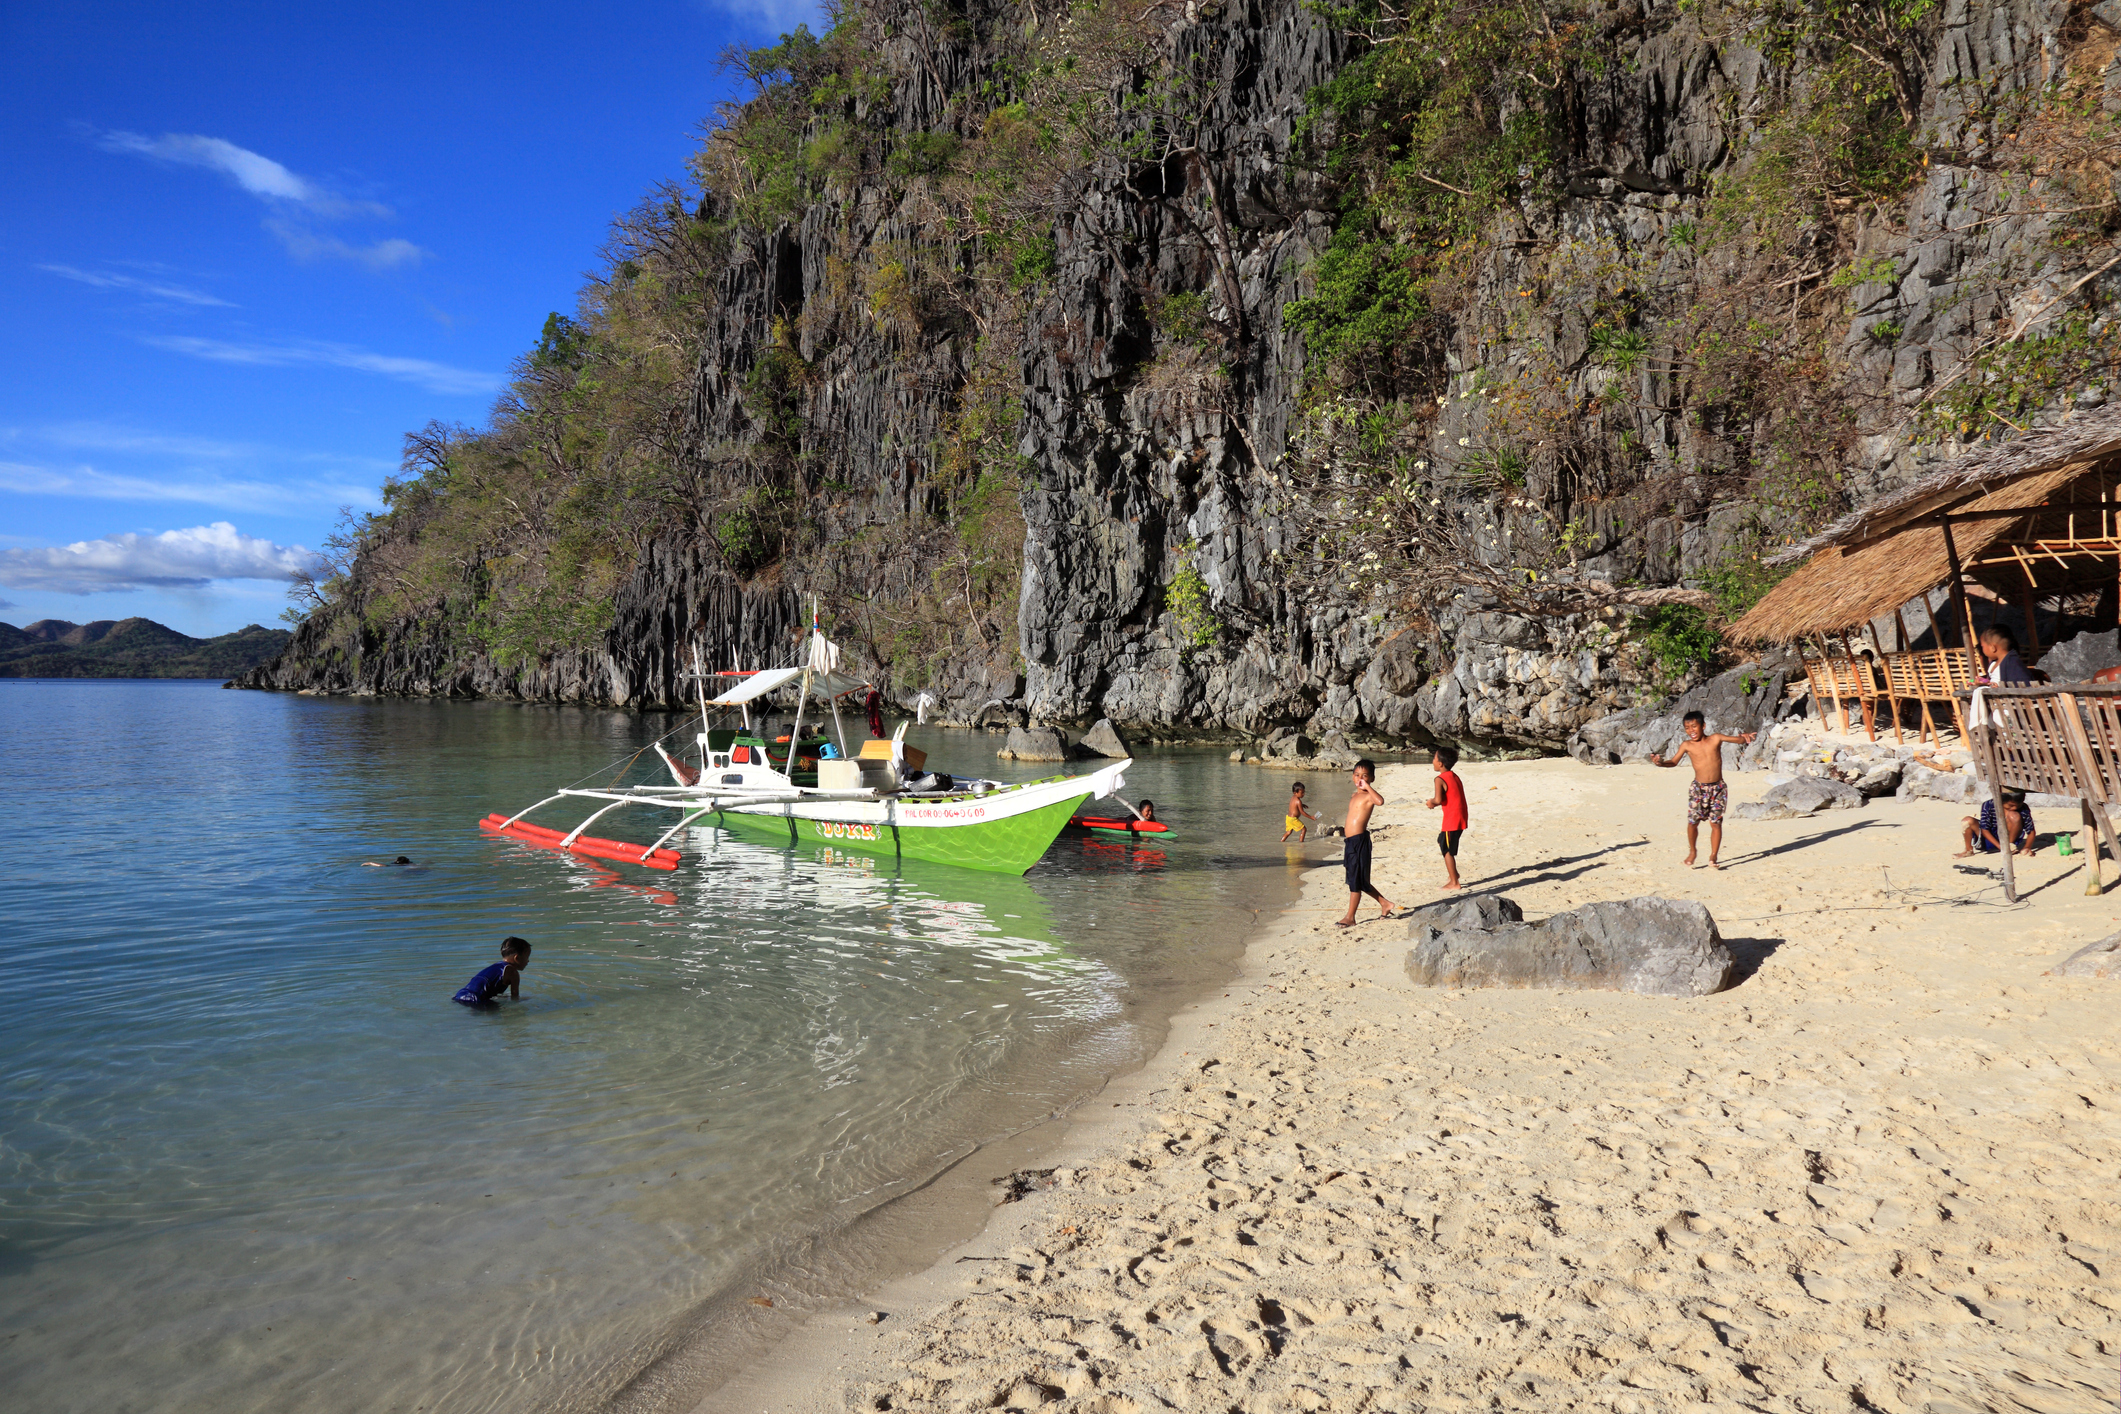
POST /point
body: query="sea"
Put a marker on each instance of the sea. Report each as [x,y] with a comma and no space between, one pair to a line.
[253,1158]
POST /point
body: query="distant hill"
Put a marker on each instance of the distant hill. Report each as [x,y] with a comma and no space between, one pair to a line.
[131,648]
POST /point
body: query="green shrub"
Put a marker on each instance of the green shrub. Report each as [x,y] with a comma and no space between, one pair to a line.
[1187,597]
[922,155]
[1679,641]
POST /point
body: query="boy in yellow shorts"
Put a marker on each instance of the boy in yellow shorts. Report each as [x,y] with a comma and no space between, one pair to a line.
[1292,819]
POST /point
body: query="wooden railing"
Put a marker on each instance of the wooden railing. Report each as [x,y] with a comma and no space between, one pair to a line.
[2055,741]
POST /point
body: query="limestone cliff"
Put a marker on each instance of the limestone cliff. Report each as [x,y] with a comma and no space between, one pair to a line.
[1645,364]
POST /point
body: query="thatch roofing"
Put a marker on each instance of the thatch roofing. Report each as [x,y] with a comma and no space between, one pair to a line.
[2084,438]
[1842,587]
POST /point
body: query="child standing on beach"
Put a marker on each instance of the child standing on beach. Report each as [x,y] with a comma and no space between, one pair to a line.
[1449,797]
[504,976]
[1292,819]
[1355,856]
[1706,801]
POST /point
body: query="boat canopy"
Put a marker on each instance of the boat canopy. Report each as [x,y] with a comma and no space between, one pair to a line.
[768,680]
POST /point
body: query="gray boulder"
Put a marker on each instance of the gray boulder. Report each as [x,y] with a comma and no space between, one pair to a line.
[1034,744]
[2077,659]
[1881,779]
[1105,741]
[1739,701]
[1918,782]
[1652,946]
[1471,911]
[1793,800]
[2100,959]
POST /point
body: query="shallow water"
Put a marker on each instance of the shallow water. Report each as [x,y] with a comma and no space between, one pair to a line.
[251,1157]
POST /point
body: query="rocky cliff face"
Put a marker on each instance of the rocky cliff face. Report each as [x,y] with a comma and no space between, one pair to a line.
[1148,466]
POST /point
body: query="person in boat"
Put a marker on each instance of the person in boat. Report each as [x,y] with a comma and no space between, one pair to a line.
[1292,819]
[401,862]
[1355,853]
[485,988]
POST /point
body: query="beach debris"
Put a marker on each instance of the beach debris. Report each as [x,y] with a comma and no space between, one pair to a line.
[1034,744]
[762,1301]
[1105,741]
[874,1318]
[1656,947]
[1021,1184]
[1793,800]
[2100,959]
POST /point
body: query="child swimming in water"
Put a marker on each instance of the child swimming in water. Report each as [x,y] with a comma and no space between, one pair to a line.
[505,975]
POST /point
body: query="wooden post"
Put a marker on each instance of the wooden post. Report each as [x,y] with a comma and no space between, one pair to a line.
[2032,624]
[1965,610]
[1978,740]
[2091,833]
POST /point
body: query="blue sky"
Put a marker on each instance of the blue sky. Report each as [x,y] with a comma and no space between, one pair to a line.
[245,248]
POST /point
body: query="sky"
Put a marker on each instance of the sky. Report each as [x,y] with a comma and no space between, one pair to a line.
[244,248]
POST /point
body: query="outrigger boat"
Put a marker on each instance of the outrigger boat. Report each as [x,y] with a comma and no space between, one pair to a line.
[881,800]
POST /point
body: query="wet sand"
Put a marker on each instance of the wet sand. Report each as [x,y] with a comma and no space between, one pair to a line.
[1879,1172]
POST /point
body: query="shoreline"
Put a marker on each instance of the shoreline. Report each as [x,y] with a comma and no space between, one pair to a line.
[1877,1171]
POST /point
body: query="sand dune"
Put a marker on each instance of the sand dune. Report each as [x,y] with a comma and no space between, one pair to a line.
[1881,1172]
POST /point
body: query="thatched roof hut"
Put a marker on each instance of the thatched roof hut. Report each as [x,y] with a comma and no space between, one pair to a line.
[1953,526]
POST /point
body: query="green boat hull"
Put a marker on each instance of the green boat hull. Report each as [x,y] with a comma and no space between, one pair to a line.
[1006,846]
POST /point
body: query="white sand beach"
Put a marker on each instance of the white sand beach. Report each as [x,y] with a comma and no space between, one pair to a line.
[1883,1171]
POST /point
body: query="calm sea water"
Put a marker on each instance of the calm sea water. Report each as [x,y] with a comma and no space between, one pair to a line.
[252,1158]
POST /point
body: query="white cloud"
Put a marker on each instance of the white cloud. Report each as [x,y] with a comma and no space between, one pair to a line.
[778,15]
[87,483]
[255,173]
[305,244]
[156,289]
[175,559]
[435,377]
[296,201]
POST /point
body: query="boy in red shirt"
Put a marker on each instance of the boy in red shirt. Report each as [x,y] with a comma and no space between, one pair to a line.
[1449,797]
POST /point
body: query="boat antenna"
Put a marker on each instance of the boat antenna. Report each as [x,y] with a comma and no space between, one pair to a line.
[699,675]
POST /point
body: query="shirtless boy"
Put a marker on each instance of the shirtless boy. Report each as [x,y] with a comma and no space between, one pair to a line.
[1709,795]
[1293,819]
[1355,857]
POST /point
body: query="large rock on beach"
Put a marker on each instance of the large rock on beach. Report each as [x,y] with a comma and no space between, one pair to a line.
[1793,800]
[1034,744]
[1919,782]
[2100,959]
[1656,947]
[1467,911]
[1104,740]
[1742,700]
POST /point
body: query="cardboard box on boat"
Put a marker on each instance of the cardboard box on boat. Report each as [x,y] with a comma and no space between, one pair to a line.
[859,773]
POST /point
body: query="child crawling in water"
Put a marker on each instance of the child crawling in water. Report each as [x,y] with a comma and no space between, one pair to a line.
[504,976]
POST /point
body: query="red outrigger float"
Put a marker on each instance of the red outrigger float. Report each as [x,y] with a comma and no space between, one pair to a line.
[1119,826]
[582,844]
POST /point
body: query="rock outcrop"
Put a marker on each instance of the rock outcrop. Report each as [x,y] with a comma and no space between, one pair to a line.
[1793,800]
[1103,740]
[2100,959]
[1654,946]
[1132,485]
[1034,744]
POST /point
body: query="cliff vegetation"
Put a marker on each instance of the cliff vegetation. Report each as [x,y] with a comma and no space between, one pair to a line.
[1410,369]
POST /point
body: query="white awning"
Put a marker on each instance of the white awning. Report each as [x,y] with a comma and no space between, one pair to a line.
[769,680]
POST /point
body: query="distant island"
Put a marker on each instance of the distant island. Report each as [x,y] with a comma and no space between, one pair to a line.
[131,648]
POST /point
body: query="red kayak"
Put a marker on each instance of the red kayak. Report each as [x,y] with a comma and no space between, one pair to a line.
[1126,826]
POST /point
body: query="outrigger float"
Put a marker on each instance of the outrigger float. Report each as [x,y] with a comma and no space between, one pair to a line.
[880,800]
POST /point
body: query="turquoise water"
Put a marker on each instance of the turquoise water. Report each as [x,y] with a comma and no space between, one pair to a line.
[252,1158]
